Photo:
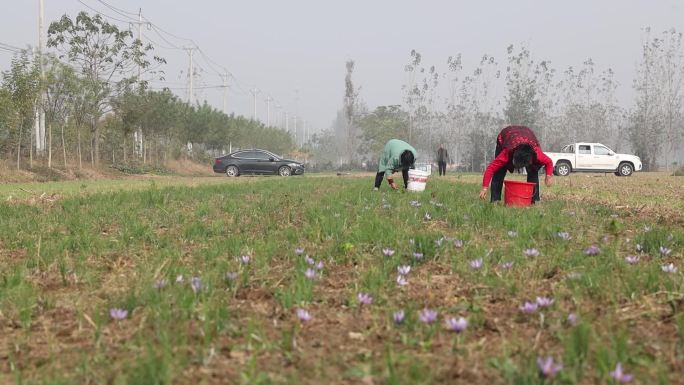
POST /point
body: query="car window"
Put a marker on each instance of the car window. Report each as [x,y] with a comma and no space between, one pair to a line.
[585,149]
[600,150]
[261,155]
[245,155]
[569,149]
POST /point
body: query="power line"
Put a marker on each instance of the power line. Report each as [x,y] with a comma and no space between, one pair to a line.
[118,10]
[103,14]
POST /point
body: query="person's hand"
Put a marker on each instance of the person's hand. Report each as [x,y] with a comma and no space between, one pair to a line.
[392,184]
[483,193]
[548,180]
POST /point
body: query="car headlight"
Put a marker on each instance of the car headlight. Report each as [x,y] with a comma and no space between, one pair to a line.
[295,165]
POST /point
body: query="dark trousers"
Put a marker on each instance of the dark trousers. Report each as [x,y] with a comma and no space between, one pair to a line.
[381,175]
[442,167]
[498,179]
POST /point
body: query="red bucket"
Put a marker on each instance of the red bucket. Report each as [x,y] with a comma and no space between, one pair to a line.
[518,193]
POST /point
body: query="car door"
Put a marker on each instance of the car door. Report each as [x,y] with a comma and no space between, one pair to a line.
[264,164]
[584,159]
[604,158]
[247,161]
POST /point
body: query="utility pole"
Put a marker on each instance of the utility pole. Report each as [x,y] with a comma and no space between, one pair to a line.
[138,135]
[268,110]
[254,91]
[224,77]
[295,128]
[287,123]
[191,74]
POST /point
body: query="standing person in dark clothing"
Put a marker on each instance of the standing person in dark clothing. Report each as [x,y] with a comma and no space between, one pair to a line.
[442,159]
[396,156]
[516,147]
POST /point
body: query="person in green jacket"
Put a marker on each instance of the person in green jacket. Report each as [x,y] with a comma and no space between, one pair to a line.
[397,155]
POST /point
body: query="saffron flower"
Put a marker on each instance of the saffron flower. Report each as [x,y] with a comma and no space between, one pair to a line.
[401,280]
[319,265]
[304,315]
[572,319]
[669,268]
[388,252]
[620,376]
[457,325]
[179,278]
[427,316]
[231,276]
[418,255]
[245,259]
[564,236]
[506,265]
[310,273]
[592,250]
[529,307]
[398,317]
[118,314]
[309,260]
[160,284]
[632,259]
[547,368]
[299,251]
[531,252]
[544,301]
[458,243]
[364,299]
[512,234]
[476,264]
[196,284]
[404,269]
[664,251]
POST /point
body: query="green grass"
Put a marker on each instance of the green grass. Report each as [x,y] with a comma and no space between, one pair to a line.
[63,265]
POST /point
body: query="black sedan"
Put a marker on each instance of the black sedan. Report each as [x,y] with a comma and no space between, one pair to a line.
[255,161]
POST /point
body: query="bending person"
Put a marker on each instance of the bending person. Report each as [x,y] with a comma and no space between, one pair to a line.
[516,147]
[397,156]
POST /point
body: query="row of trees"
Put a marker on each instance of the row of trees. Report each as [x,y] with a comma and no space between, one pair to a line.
[466,110]
[97,106]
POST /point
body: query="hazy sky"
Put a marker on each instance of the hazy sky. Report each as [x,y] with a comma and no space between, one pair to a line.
[281,46]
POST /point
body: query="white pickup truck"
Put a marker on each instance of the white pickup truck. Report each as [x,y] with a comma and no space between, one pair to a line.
[592,157]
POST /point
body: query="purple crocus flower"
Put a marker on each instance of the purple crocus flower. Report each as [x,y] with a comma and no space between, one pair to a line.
[458,243]
[404,269]
[457,325]
[364,299]
[427,316]
[160,284]
[512,234]
[572,319]
[506,265]
[118,314]
[401,280]
[196,284]
[476,264]
[544,301]
[547,368]
[387,252]
[664,251]
[398,317]
[245,259]
[529,307]
[319,265]
[531,252]
[620,376]
[309,260]
[299,251]
[231,276]
[564,236]
[310,273]
[632,259]
[592,250]
[304,315]
[418,255]
[669,268]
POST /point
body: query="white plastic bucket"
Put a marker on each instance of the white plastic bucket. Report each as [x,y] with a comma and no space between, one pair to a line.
[417,179]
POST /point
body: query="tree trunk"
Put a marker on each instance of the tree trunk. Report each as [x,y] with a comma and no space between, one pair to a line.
[64,148]
[31,149]
[80,158]
[50,145]
[96,142]
[124,148]
[19,148]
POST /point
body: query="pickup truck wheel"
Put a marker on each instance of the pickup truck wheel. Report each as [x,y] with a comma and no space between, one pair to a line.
[563,169]
[625,169]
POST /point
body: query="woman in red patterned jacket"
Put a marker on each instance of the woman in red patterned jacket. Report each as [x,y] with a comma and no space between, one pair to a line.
[516,147]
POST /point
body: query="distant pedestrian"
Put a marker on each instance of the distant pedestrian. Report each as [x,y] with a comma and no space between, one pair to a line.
[516,147]
[442,159]
[396,156]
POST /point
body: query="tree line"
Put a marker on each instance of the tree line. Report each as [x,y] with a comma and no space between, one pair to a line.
[465,110]
[98,108]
